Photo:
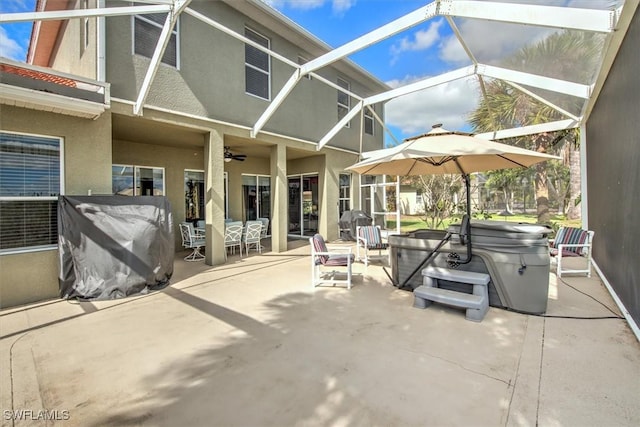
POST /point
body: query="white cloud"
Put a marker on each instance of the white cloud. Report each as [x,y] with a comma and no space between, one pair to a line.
[448,104]
[9,48]
[339,7]
[420,40]
[490,41]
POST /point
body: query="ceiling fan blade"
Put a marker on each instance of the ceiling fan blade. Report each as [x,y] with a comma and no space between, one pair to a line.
[239,157]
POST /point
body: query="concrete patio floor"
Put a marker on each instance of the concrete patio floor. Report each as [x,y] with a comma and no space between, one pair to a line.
[251,344]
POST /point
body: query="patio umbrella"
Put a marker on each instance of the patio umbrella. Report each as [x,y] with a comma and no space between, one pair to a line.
[445,152]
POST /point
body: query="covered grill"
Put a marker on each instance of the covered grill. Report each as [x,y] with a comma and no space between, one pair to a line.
[350,220]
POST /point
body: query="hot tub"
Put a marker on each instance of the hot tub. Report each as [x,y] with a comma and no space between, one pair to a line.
[515,255]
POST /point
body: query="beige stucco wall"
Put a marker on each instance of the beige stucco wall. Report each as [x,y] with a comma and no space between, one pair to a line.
[213,85]
[33,276]
[71,56]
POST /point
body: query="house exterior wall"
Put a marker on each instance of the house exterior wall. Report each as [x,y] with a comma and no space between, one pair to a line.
[210,79]
[71,56]
[613,177]
[33,276]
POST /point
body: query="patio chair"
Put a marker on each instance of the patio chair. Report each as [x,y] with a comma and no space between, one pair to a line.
[321,257]
[265,229]
[252,235]
[571,242]
[192,240]
[233,237]
[368,238]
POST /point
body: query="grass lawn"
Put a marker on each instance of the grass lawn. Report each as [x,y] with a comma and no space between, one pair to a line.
[415,222]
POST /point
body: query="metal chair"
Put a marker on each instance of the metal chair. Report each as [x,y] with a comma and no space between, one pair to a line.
[571,242]
[252,235]
[322,257]
[232,238]
[192,240]
[265,229]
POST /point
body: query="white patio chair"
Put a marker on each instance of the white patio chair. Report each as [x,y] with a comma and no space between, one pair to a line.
[322,257]
[192,240]
[252,235]
[232,238]
[571,242]
[369,238]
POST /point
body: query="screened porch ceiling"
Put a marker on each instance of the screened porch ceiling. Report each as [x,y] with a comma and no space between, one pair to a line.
[568,89]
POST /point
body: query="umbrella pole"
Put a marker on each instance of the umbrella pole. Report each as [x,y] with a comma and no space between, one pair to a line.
[467,224]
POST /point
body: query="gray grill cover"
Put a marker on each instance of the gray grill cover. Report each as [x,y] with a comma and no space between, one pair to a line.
[114,246]
[350,220]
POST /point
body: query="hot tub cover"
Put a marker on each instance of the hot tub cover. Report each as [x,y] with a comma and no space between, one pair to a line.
[114,246]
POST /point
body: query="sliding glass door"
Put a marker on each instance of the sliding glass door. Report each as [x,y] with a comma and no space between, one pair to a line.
[256,197]
[303,205]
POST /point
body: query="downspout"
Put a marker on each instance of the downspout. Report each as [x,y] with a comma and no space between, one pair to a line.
[101,45]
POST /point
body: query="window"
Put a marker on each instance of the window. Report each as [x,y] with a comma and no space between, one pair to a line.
[147,29]
[129,180]
[257,66]
[30,177]
[344,198]
[344,101]
[368,122]
[193,195]
[85,27]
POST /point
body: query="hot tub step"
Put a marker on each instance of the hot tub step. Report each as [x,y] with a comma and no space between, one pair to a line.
[477,304]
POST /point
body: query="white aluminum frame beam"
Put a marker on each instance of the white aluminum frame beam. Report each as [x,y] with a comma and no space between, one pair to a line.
[163,40]
[401,91]
[56,15]
[601,21]
[547,83]
[394,27]
[530,130]
[341,124]
[544,101]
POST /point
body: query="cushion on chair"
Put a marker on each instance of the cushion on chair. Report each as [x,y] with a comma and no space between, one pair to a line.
[320,246]
[371,234]
[339,260]
[570,236]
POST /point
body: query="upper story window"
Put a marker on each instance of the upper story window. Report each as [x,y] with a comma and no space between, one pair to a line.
[368,122]
[257,69]
[30,173]
[85,27]
[344,100]
[146,33]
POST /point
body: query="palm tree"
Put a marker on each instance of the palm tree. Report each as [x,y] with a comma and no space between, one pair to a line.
[568,55]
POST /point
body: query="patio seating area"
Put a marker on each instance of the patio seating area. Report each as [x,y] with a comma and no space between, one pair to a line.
[252,342]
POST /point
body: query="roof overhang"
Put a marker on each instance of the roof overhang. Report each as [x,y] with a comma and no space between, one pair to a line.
[42,89]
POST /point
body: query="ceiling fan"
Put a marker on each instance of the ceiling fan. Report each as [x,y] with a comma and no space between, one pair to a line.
[228,155]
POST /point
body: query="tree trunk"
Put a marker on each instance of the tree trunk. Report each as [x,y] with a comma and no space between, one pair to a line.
[574,211]
[542,194]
